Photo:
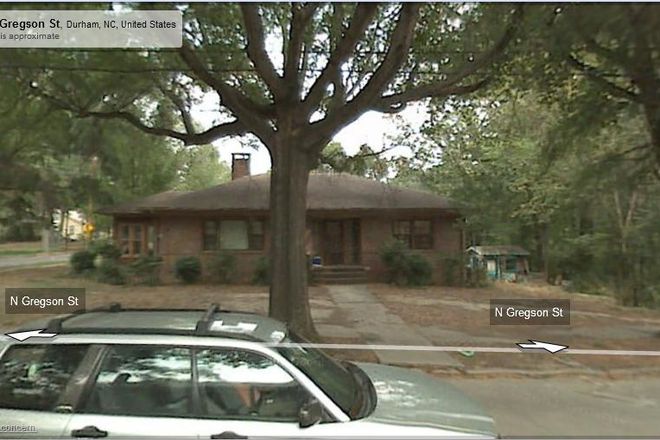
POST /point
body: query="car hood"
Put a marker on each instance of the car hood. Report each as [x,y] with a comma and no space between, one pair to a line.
[409,397]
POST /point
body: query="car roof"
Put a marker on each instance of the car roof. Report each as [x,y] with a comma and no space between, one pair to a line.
[226,324]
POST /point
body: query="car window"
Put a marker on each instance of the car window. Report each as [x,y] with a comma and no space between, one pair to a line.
[236,384]
[33,377]
[143,381]
[332,377]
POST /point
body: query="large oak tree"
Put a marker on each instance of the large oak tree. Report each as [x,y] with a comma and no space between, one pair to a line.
[292,75]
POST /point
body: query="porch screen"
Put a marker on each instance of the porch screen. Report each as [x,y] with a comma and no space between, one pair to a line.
[234,234]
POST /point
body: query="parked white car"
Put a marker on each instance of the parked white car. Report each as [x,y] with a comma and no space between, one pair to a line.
[211,374]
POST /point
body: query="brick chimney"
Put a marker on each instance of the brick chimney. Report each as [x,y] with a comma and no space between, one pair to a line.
[240,165]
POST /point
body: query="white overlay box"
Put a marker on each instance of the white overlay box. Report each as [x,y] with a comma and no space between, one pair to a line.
[90,29]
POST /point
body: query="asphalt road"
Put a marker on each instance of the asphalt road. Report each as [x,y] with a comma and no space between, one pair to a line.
[569,407]
[15,261]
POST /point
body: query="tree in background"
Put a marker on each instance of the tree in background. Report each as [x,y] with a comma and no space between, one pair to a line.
[292,75]
[596,60]
[587,216]
[365,163]
[200,167]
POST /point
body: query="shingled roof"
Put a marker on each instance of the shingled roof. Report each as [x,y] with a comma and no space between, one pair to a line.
[326,191]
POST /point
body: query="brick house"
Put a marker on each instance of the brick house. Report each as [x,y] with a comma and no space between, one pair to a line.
[349,218]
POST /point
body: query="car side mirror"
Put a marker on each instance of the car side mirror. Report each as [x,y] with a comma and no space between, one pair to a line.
[310,413]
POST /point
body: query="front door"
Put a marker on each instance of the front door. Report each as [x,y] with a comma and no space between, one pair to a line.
[333,242]
[340,241]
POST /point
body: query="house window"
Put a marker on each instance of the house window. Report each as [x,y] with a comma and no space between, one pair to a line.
[131,239]
[416,234]
[256,239]
[210,236]
[233,235]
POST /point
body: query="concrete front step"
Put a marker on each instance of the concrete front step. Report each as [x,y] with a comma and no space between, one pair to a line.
[340,280]
[341,274]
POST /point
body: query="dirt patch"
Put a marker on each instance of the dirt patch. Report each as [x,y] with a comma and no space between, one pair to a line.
[596,323]
[195,296]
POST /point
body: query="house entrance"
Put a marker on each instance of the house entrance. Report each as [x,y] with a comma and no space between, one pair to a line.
[340,241]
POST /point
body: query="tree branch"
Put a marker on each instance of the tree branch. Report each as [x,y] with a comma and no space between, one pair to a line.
[301,16]
[233,128]
[397,102]
[183,111]
[245,110]
[401,39]
[364,13]
[593,73]
[256,50]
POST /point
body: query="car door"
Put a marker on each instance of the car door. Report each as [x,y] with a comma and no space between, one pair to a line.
[38,384]
[138,390]
[244,394]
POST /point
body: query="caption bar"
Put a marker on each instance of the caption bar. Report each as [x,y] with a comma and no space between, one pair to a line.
[90,29]
[530,312]
[43,300]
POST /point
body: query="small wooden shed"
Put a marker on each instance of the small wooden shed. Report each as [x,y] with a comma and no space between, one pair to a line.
[502,262]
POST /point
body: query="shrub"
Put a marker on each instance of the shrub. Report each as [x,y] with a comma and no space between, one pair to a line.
[82,261]
[451,268]
[418,270]
[111,272]
[222,267]
[394,255]
[403,267]
[146,270]
[106,250]
[476,277]
[188,269]
[262,272]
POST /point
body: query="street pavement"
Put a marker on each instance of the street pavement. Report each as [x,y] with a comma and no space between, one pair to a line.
[17,261]
[569,407]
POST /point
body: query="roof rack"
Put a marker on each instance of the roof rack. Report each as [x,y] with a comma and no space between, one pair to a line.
[202,327]
[55,324]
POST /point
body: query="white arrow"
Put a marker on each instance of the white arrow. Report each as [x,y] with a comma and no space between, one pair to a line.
[552,348]
[22,336]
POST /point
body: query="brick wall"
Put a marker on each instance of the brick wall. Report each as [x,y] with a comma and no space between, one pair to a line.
[182,236]
[376,231]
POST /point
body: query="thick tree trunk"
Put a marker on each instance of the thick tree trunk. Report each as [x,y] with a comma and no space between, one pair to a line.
[289,296]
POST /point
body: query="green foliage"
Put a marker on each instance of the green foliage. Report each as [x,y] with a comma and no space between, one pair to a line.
[476,277]
[365,163]
[404,267]
[111,272]
[394,255]
[82,261]
[200,167]
[146,270]
[222,267]
[419,271]
[106,249]
[590,219]
[452,265]
[262,272]
[188,269]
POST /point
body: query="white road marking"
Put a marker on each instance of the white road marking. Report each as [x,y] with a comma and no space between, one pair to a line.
[377,347]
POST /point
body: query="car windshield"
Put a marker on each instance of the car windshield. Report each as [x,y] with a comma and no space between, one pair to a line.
[332,377]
